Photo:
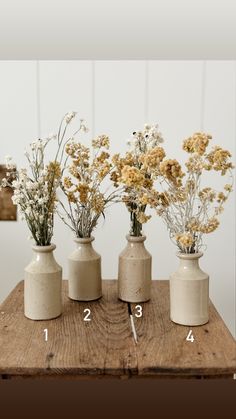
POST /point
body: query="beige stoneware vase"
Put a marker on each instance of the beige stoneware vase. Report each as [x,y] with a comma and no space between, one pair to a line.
[135,271]
[42,285]
[85,281]
[189,292]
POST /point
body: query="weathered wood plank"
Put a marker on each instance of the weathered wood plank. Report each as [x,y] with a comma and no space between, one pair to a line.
[104,347]
[101,346]
[162,347]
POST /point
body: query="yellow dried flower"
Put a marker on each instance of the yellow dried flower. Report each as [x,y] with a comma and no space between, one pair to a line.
[53,170]
[152,158]
[143,218]
[67,182]
[71,197]
[83,190]
[74,172]
[131,176]
[228,187]
[147,183]
[221,197]
[219,159]
[185,240]
[195,164]
[97,203]
[207,194]
[171,169]
[114,178]
[104,170]
[210,226]
[101,141]
[197,143]
[102,157]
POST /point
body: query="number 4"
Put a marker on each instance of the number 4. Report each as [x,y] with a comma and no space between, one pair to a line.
[190,337]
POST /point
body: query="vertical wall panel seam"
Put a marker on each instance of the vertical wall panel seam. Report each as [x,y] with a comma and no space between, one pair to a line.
[234,203]
[93,98]
[146,93]
[38,98]
[203,95]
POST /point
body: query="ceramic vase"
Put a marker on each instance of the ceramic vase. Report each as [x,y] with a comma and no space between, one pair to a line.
[85,281]
[134,271]
[42,285]
[189,292]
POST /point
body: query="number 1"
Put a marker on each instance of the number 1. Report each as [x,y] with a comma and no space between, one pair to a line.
[46,335]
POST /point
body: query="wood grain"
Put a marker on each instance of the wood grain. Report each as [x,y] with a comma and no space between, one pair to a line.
[162,347]
[102,346]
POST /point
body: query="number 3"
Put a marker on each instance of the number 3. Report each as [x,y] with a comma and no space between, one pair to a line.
[139,311]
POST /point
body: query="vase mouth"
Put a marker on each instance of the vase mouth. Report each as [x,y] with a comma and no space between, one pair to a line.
[135,239]
[189,256]
[84,240]
[44,249]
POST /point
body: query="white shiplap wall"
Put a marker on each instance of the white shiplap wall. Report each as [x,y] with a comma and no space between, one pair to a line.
[116,97]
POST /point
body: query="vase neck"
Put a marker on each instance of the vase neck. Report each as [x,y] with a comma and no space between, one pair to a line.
[44,249]
[136,239]
[189,261]
[84,242]
[43,253]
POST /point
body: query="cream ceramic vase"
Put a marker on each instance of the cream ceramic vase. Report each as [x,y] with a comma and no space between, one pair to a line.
[42,285]
[85,281]
[189,292]
[135,271]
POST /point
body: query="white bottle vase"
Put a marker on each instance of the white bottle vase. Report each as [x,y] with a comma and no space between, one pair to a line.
[85,280]
[189,292]
[42,285]
[135,271]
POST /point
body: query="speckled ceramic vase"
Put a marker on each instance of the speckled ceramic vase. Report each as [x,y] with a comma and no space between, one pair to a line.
[189,292]
[85,281]
[42,285]
[134,272]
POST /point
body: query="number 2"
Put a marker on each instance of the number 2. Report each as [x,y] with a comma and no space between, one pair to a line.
[86,317]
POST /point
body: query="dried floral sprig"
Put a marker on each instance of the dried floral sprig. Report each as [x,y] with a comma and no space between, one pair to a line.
[136,170]
[35,191]
[84,185]
[188,209]
[35,188]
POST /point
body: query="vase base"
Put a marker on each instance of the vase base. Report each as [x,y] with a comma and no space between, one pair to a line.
[85,300]
[42,319]
[132,301]
[190,324]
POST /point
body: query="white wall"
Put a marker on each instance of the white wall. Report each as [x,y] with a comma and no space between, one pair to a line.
[116,97]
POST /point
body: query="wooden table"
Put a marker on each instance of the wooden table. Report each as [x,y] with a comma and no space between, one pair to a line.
[105,345]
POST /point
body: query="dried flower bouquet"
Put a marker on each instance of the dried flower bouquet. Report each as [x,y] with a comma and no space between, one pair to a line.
[188,208]
[35,188]
[35,191]
[84,185]
[134,171]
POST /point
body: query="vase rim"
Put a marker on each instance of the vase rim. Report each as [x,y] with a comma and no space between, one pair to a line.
[135,239]
[84,239]
[44,249]
[189,256]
